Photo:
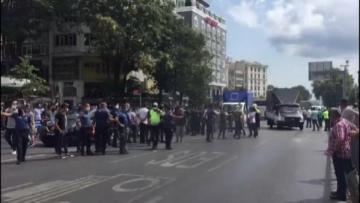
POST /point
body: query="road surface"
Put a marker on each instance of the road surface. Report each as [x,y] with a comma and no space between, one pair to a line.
[279,166]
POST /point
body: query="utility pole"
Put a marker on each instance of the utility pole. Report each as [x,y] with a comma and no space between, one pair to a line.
[344,78]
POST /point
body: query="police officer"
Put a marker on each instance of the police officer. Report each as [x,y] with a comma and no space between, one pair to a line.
[22,124]
[102,117]
[155,118]
[86,130]
[122,131]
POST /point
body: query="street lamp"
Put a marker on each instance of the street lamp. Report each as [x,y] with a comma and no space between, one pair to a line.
[344,78]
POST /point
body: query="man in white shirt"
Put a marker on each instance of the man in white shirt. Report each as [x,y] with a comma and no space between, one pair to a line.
[142,115]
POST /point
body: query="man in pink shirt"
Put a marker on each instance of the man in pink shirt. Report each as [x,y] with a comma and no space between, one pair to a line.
[340,149]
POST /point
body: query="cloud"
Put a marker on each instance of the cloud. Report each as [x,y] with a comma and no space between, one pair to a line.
[307,28]
[244,14]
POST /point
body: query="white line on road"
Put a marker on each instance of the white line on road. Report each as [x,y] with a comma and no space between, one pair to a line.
[222,164]
[27,157]
[131,157]
[16,187]
[155,199]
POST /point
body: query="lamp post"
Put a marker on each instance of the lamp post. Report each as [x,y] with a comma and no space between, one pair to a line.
[344,78]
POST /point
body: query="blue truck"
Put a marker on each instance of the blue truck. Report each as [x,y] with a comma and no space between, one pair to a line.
[243,98]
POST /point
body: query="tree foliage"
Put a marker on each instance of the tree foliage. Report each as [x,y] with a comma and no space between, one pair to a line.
[331,90]
[34,84]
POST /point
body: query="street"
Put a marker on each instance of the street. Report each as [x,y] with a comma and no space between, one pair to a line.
[278,166]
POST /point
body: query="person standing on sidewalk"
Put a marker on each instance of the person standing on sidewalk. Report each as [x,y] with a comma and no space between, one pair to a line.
[155,118]
[21,136]
[339,148]
[10,127]
[60,131]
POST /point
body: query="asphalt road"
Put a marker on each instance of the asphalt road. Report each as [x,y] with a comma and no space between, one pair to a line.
[278,166]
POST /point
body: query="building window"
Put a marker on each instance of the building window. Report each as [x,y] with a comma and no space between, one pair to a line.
[89,39]
[65,40]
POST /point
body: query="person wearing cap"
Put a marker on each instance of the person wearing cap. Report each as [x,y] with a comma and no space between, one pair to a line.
[257,116]
[339,148]
[155,118]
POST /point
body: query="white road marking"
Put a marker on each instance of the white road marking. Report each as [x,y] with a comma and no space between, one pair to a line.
[27,157]
[16,187]
[151,182]
[169,181]
[51,190]
[222,163]
[131,157]
[155,199]
[202,160]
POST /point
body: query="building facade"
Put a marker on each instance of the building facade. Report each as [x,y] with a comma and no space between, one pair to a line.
[196,13]
[250,76]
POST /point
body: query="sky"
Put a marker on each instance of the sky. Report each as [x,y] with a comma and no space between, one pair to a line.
[288,34]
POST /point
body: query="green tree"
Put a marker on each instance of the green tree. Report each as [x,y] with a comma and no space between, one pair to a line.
[304,94]
[21,20]
[331,90]
[34,84]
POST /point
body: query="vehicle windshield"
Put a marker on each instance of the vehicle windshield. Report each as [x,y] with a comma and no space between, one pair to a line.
[289,109]
[232,107]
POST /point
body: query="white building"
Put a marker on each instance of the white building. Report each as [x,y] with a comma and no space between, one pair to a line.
[251,76]
[196,13]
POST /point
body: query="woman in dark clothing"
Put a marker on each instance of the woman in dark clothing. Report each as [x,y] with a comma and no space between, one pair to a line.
[22,126]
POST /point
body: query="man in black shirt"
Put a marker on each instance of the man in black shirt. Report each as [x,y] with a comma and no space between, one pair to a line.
[60,131]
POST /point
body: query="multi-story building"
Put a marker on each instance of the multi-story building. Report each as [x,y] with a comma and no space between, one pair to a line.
[251,76]
[196,13]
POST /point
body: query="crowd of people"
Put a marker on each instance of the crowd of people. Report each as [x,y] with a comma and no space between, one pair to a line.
[317,118]
[116,125]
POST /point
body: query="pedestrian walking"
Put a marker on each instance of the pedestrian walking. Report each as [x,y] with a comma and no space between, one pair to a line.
[222,124]
[230,119]
[253,129]
[314,118]
[102,119]
[339,149]
[21,136]
[257,116]
[169,127]
[60,131]
[155,118]
[133,125]
[10,126]
[86,130]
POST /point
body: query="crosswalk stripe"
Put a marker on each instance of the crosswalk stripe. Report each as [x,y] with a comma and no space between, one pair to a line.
[46,188]
[65,190]
[16,187]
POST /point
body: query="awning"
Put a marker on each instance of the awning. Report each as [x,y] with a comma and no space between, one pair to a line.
[12,82]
